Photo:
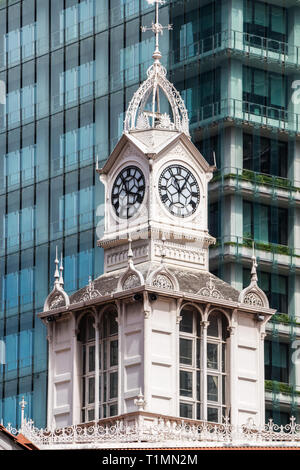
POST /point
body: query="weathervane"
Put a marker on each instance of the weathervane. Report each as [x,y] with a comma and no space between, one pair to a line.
[156,27]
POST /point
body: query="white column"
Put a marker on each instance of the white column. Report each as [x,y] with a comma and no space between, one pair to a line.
[50,327]
[147,353]
[262,336]
[232,399]
[76,374]
[204,325]
[97,366]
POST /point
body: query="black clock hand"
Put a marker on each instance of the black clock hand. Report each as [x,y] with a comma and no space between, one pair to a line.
[176,183]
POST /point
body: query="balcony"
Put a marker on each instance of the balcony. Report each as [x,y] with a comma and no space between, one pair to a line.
[235,248]
[245,113]
[247,182]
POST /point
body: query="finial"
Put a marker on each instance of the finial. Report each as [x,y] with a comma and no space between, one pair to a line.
[215,160]
[130,252]
[61,268]
[156,28]
[254,277]
[23,403]
[56,272]
[163,250]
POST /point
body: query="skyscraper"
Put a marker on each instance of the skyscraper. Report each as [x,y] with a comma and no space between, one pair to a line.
[69,70]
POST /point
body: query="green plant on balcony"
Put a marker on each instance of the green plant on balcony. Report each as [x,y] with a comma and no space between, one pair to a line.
[280,387]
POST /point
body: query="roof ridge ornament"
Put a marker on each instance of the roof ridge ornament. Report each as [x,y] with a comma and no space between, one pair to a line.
[253,295]
[137,116]
[131,277]
[57,297]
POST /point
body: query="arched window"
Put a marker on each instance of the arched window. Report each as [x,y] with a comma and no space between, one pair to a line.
[197,374]
[216,367]
[107,350]
[190,364]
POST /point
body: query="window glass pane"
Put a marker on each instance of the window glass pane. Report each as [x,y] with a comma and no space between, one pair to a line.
[278,20]
[260,14]
[113,325]
[91,358]
[186,383]
[113,385]
[186,351]
[91,415]
[186,324]
[186,410]
[114,353]
[212,387]
[212,329]
[91,390]
[113,409]
[212,356]
[212,415]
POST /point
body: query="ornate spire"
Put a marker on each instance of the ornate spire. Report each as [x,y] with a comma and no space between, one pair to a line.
[57,297]
[163,250]
[130,253]
[253,295]
[254,277]
[56,272]
[61,268]
[145,103]
[157,29]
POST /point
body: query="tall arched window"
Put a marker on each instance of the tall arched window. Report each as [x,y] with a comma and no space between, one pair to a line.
[107,350]
[216,367]
[197,374]
[190,364]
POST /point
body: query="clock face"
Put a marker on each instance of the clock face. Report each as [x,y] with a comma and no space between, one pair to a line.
[179,190]
[128,192]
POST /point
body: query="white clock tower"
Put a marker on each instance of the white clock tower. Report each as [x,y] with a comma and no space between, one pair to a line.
[157,335]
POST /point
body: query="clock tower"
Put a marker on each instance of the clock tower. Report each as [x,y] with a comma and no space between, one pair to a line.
[156,181]
[156,335]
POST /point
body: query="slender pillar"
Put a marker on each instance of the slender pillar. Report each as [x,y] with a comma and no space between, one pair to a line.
[97,367]
[147,351]
[204,325]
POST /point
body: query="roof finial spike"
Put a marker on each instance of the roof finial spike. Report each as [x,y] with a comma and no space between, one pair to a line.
[130,253]
[163,250]
[254,277]
[56,272]
[157,29]
[61,268]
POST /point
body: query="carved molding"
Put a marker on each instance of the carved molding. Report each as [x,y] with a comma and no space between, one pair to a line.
[210,290]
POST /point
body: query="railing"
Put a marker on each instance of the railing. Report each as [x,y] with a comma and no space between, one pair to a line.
[256,178]
[119,433]
[266,116]
[242,243]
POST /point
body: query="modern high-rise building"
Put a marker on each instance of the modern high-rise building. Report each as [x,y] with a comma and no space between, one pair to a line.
[68,70]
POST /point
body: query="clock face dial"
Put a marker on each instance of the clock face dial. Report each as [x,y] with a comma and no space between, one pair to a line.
[128,192]
[179,190]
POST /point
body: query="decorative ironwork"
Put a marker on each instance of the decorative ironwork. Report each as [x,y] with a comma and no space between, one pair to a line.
[210,290]
[58,301]
[137,115]
[90,292]
[253,299]
[131,281]
[163,282]
[163,430]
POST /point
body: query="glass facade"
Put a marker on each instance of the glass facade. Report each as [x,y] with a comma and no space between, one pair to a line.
[68,69]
